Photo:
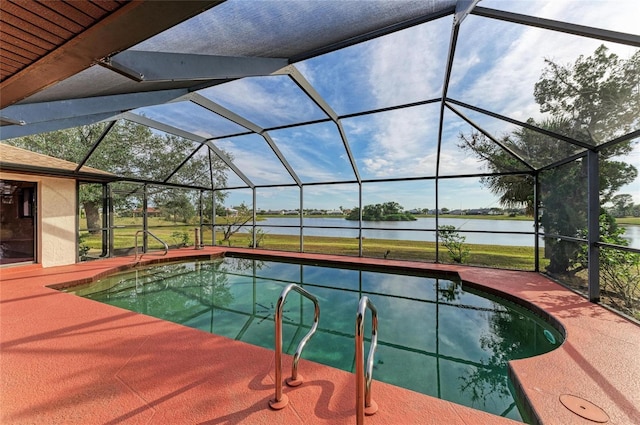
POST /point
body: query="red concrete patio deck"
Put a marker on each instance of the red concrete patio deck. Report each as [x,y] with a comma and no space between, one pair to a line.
[69,360]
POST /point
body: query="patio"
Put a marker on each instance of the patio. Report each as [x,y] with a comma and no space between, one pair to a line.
[119,118]
[68,360]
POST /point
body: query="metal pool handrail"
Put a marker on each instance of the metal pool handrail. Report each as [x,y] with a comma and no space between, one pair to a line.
[281,400]
[364,404]
[166,247]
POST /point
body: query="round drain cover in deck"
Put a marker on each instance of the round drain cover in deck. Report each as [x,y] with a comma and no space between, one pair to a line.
[584,408]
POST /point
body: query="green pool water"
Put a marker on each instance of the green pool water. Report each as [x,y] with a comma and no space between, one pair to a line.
[436,336]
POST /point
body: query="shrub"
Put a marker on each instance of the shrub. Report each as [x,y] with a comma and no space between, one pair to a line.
[619,269]
[454,243]
[260,237]
[181,238]
[83,248]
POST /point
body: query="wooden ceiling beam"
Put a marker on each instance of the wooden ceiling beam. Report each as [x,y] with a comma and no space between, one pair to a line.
[133,23]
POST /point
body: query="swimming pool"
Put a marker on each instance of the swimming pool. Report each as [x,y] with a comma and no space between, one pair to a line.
[436,336]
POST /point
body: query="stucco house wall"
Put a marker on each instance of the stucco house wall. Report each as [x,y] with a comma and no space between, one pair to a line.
[55,218]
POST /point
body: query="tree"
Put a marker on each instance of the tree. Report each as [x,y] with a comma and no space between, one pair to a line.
[128,150]
[71,145]
[599,96]
[592,101]
[354,214]
[622,205]
[234,220]
[177,205]
[389,211]
[373,212]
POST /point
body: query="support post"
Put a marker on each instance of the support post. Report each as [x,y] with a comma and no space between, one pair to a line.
[106,230]
[437,238]
[253,215]
[213,218]
[201,221]
[593,223]
[301,244]
[360,248]
[110,219]
[145,220]
[536,221]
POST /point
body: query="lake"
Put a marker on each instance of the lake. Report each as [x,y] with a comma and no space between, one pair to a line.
[389,229]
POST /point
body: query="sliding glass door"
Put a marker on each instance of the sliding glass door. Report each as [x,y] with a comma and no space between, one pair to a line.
[17,222]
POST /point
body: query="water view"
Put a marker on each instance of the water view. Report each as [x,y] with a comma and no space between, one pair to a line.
[519,232]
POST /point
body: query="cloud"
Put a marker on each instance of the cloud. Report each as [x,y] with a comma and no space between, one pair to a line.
[377,165]
[465,193]
[252,157]
[395,143]
[404,67]
[287,198]
[331,196]
[618,15]
[316,152]
[266,101]
[409,65]
[455,162]
[512,55]
[496,67]
[191,118]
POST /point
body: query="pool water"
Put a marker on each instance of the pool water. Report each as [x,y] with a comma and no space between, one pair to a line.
[436,336]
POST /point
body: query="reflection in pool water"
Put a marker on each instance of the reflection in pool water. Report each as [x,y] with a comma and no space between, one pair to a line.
[436,336]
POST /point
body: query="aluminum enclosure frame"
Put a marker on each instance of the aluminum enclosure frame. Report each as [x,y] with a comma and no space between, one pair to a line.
[20,119]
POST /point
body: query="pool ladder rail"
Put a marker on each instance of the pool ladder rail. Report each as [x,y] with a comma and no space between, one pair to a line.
[166,247]
[281,400]
[364,404]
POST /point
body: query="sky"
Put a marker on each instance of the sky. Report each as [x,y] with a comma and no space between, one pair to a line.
[495,67]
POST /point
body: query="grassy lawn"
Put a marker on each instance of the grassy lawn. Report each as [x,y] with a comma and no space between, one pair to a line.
[509,257]
[628,220]
[124,237]
[175,234]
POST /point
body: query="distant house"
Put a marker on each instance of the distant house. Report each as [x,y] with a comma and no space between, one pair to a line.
[151,212]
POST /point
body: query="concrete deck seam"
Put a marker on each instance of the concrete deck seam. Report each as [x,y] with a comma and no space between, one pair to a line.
[129,387]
